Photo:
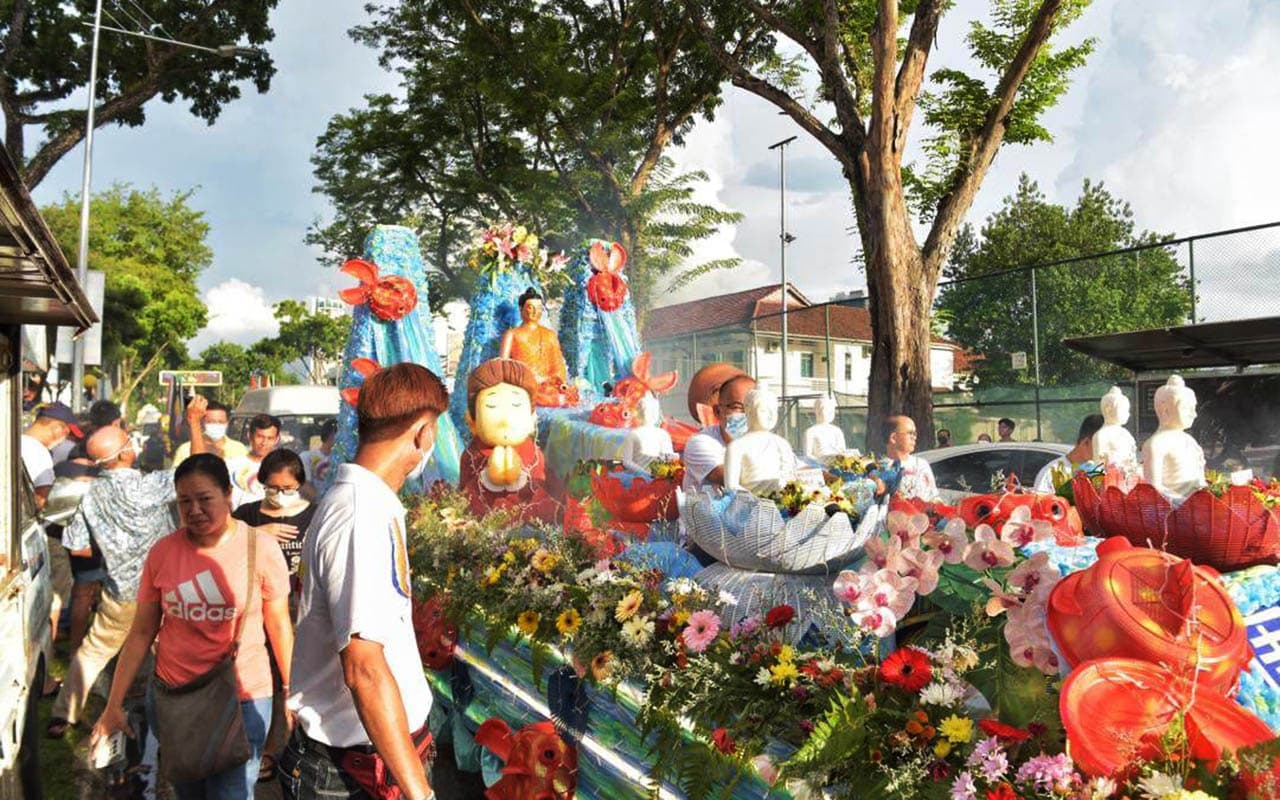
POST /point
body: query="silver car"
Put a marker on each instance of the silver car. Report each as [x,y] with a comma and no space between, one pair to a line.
[967,469]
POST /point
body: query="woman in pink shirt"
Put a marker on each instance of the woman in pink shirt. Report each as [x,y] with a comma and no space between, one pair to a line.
[193,590]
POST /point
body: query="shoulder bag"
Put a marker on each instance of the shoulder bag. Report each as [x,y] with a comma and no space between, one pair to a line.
[199,723]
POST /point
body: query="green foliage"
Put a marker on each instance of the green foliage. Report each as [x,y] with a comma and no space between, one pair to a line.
[314,339]
[993,316]
[152,249]
[836,734]
[45,50]
[554,115]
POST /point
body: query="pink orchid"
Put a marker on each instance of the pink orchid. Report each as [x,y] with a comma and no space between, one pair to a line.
[851,587]
[1000,600]
[923,566]
[1031,574]
[879,621]
[907,527]
[1029,646]
[558,262]
[950,541]
[1021,530]
[987,550]
[891,591]
[767,769]
[885,553]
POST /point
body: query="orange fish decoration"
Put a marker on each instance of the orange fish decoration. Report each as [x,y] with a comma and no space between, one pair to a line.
[437,636]
[606,288]
[540,765]
[995,509]
[389,297]
[621,411]
[365,367]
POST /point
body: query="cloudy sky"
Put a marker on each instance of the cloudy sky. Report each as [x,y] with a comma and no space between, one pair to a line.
[1177,111]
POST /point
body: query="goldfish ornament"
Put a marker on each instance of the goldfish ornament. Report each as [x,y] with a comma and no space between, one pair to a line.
[539,764]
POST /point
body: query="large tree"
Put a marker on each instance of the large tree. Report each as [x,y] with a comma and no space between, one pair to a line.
[314,340]
[558,115]
[869,59]
[44,66]
[989,309]
[152,249]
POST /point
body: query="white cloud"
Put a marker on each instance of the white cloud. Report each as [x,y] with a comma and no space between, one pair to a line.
[238,312]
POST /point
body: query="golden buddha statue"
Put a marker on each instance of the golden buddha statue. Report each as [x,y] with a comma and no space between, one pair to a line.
[533,345]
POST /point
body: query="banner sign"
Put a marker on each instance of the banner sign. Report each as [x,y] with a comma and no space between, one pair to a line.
[190,377]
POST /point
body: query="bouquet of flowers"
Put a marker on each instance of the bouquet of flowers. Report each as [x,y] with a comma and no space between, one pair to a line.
[1267,492]
[499,247]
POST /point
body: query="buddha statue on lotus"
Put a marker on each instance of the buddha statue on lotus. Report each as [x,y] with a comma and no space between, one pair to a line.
[1113,444]
[649,441]
[534,345]
[824,438]
[760,460]
[1172,461]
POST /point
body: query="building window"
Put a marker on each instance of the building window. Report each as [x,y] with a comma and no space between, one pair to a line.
[806,365]
[738,358]
[848,366]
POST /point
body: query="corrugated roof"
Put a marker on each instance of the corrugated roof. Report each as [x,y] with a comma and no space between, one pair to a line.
[1236,343]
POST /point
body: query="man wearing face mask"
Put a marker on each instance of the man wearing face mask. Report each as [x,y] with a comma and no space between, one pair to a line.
[360,696]
[704,453]
[124,513]
[214,427]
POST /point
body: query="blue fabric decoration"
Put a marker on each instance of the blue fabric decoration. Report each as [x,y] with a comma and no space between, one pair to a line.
[672,559]
[1256,592]
[494,309]
[394,249]
[598,346]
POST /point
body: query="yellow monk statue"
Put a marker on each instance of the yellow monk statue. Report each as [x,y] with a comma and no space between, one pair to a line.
[538,348]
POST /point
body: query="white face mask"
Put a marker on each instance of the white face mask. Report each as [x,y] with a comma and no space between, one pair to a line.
[421,467]
[279,499]
[216,430]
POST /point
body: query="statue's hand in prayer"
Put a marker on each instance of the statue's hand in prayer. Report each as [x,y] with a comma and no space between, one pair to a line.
[505,466]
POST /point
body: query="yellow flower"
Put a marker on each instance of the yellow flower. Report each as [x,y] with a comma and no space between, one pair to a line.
[784,672]
[787,654]
[531,241]
[494,574]
[957,730]
[568,622]
[628,606]
[517,236]
[509,557]
[942,748]
[544,561]
[527,622]
[679,618]
[602,666]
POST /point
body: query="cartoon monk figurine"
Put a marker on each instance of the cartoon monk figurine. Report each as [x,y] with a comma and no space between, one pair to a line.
[537,348]
[503,467]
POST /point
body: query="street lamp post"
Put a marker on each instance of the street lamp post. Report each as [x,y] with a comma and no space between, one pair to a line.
[82,252]
[784,239]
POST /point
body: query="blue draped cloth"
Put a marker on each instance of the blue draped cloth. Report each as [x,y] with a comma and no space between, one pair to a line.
[394,249]
[598,346]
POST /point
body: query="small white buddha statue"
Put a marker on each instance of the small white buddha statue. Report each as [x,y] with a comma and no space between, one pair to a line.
[1171,459]
[759,460]
[1113,444]
[648,441]
[823,439]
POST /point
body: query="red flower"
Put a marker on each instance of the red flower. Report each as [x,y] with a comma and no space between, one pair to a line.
[723,741]
[779,616]
[996,728]
[907,668]
[1003,792]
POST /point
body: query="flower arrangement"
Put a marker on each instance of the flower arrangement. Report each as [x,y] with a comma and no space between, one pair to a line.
[853,463]
[1267,492]
[836,497]
[499,247]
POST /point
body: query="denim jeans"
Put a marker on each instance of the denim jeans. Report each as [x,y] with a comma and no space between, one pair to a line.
[307,772]
[236,783]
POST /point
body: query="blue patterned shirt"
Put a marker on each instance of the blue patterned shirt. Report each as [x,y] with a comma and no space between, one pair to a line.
[125,511]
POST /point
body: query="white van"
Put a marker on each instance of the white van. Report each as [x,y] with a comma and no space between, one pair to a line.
[302,410]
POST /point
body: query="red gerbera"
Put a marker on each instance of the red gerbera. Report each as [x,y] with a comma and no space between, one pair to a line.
[907,668]
[723,741]
[779,616]
[1003,792]
[996,728]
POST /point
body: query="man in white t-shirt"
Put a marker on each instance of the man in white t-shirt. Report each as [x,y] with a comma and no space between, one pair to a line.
[703,456]
[1081,453]
[907,474]
[53,424]
[358,679]
[264,436]
[315,463]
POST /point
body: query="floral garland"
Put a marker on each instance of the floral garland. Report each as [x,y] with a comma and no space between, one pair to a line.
[500,247]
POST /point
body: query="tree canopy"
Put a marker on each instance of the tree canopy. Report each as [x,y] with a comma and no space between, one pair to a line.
[555,115]
[869,59]
[992,316]
[152,249]
[44,65]
[314,340]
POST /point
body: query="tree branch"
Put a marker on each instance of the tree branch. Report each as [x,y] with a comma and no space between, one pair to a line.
[766,15]
[835,79]
[974,165]
[924,28]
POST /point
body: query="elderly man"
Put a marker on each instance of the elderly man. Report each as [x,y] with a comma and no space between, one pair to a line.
[905,473]
[704,452]
[124,512]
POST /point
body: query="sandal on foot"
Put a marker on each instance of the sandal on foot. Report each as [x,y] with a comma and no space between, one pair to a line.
[57,728]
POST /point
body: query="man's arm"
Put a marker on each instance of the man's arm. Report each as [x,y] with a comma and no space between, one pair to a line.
[381,710]
[195,416]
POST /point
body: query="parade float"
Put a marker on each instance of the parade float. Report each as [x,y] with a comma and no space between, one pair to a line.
[839,642]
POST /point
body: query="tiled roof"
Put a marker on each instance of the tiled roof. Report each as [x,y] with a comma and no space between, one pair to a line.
[736,308]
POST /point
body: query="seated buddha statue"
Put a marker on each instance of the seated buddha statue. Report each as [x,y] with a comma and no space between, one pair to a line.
[503,467]
[534,345]
[1172,461]
[759,460]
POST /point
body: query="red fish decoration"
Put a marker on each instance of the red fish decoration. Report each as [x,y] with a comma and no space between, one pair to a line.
[994,510]
[606,288]
[539,764]
[552,393]
[437,636]
[621,412]
[389,297]
[365,367]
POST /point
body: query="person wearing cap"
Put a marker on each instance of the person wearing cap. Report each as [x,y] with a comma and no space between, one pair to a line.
[704,452]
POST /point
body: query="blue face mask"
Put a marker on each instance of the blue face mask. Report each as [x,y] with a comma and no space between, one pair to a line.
[736,424]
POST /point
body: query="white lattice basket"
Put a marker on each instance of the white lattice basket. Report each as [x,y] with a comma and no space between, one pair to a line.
[749,532]
[754,593]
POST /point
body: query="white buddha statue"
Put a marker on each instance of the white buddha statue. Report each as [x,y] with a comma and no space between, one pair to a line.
[648,441]
[759,460]
[1113,444]
[824,439]
[1171,459]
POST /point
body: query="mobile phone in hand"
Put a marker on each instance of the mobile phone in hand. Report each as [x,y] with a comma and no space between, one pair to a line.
[108,750]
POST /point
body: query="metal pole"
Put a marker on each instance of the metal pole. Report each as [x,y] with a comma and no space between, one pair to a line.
[830,380]
[783,241]
[1035,343]
[82,255]
[1191,257]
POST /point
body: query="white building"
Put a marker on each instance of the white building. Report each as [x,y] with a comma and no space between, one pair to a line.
[330,306]
[828,345]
